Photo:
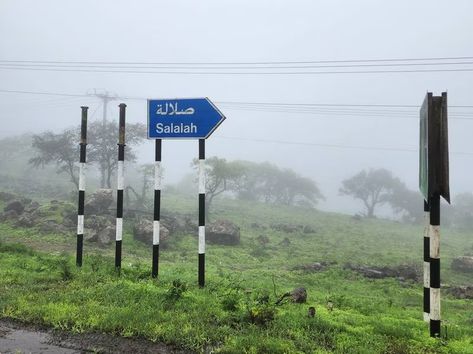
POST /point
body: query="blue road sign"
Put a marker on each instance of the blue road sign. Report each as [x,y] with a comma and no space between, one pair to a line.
[184,118]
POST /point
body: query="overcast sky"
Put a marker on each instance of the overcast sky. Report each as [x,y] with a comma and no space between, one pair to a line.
[252,31]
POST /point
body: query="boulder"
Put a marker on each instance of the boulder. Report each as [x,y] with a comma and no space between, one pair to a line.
[299,295]
[463,264]
[26,220]
[262,240]
[31,207]
[16,206]
[461,292]
[9,215]
[287,228]
[143,231]
[99,202]
[309,230]
[285,242]
[106,236]
[311,267]
[223,232]
[402,272]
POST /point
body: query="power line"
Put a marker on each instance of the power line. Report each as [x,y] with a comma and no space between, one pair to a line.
[125,66]
[284,142]
[246,73]
[260,103]
[240,63]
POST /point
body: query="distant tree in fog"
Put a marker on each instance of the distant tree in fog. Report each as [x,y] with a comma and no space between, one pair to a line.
[102,148]
[220,177]
[60,149]
[461,212]
[407,203]
[374,188]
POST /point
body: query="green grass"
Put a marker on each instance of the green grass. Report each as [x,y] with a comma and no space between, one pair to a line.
[235,312]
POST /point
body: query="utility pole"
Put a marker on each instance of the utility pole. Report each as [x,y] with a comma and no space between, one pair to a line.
[106,97]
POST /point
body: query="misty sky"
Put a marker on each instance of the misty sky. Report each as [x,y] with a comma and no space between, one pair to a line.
[250,31]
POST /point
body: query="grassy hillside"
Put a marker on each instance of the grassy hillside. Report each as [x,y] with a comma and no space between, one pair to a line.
[235,312]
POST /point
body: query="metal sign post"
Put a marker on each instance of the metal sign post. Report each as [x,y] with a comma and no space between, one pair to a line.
[183,118]
[433,184]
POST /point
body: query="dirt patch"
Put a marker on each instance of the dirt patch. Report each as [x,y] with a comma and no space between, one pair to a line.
[17,337]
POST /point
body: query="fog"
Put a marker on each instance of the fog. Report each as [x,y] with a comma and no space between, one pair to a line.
[328,145]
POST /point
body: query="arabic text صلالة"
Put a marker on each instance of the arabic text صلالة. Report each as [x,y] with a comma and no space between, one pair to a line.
[171,109]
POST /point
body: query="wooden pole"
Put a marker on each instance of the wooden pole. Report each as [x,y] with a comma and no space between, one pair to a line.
[81,201]
[157,207]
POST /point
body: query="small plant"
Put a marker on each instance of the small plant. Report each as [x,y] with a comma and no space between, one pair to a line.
[230,302]
[260,310]
[176,290]
[65,269]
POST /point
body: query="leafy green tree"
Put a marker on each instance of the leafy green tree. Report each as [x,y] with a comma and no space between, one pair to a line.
[60,149]
[374,188]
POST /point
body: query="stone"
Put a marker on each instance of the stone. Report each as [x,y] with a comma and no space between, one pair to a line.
[262,240]
[106,236]
[143,232]
[15,205]
[463,264]
[461,292]
[285,242]
[9,215]
[311,267]
[99,202]
[309,230]
[287,228]
[223,232]
[26,220]
[402,272]
[299,295]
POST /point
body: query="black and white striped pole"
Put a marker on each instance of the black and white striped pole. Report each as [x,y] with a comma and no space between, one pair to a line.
[201,212]
[434,182]
[80,208]
[434,234]
[120,186]
[426,262]
[157,207]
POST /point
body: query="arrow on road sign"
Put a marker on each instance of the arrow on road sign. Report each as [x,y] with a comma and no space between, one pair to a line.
[184,118]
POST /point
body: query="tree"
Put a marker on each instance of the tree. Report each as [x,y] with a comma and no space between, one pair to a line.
[102,149]
[61,149]
[220,177]
[407,203]
[462,211]
[373,188]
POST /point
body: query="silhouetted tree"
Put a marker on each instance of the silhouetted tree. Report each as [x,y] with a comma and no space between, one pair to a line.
[60,149]
[102,148]
[373,188]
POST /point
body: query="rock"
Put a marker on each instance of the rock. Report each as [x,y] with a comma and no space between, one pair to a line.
[401,272]
[299,295]
[461,292]
[288,228]
[106,236]
[31,207]
[262,240]
[311,312]
[143,231]
[223,232]
[285,242]
[309,230]
[257,226]
[15,205]
[26,220]
[9,215]
[51,226]
[311,267]
[97,223]
[99,202]
[357,217]
[463,264]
